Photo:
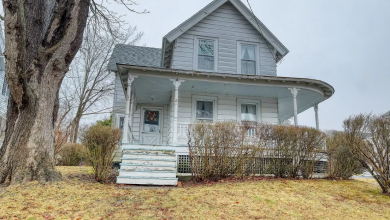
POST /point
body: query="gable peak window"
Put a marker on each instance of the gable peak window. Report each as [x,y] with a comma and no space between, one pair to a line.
[206,54]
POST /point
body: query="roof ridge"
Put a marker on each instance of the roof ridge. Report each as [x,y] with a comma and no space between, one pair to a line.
[139,46]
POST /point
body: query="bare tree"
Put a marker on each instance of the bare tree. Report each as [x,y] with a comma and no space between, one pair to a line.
[41,39]
[89,85]
[369,138]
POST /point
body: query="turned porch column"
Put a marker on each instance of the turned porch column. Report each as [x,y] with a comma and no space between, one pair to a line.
[125,138]
[176,83]
[316,113]
[294,92]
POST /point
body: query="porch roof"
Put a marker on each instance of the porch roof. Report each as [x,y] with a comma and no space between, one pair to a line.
[153,86]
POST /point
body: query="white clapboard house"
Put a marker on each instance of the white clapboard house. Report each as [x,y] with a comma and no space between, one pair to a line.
[218,65]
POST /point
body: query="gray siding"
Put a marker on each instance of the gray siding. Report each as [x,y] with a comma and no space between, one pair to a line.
[119,105]
[229,26]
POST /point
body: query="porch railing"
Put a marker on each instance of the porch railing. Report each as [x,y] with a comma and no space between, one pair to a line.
[182,130]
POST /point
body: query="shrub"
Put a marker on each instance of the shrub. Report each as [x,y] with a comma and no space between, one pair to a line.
[70,154]
[342,163]
[368,136]
[295,150]
[225,148]
[101,142]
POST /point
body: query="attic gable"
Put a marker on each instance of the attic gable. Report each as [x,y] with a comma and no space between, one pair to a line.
[280,49]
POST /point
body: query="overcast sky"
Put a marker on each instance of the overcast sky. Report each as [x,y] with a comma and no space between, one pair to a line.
[344,43]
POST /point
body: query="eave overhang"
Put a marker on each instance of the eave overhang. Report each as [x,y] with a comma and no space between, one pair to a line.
[287,82]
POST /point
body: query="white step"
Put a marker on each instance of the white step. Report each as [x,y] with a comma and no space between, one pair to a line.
[149,168]
[126,166]
[146,181]
[153,162]
[150,156]
[148,147]
[145,173]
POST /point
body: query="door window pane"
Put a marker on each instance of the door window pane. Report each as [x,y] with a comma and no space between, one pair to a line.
[248,112]
[206,55]
[121,122]
[151,121]
[248,59]
[204,110]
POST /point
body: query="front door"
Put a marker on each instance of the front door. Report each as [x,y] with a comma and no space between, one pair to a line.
[151,126]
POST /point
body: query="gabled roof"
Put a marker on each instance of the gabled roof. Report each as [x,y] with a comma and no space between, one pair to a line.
[134,55]
[257,24]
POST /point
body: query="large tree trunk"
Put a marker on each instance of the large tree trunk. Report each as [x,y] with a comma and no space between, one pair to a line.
[42,38]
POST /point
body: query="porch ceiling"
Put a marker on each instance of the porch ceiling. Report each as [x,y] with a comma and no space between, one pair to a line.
[154,86]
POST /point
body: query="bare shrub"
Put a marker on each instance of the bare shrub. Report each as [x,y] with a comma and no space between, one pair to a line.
[342,162]
[296,149]
[71,154]
[369,138]
[225,148]
[101,142]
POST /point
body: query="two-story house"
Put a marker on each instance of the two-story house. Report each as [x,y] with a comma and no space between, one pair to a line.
[220,64]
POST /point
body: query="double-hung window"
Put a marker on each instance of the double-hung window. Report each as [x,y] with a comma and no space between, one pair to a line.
[204,108]
[248,110]
[248,58]
[206,51]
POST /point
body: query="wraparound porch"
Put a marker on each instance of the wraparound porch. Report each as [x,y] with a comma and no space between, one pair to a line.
[180,98]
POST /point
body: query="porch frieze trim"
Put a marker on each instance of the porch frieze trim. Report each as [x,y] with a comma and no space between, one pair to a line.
[273,81]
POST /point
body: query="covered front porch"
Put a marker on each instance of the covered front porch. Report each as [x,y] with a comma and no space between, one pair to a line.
[161,103]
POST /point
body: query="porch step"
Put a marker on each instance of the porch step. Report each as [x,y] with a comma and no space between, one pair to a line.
[147,165]
[146,181]
[148,173]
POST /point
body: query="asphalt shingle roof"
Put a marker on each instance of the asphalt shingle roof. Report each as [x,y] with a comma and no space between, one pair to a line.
[134,55]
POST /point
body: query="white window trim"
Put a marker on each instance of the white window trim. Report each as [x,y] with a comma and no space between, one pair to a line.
[251,102]
[257,49]
[213,99]
[196,47]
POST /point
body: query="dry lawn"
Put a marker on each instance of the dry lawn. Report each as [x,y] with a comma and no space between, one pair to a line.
[79,198]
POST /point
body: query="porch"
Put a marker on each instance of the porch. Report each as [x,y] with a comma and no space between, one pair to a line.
[162,103]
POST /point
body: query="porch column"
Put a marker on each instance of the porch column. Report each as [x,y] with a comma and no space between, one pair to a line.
[176,83]
[294,92]
[125,138]
[131,116]
[316,113]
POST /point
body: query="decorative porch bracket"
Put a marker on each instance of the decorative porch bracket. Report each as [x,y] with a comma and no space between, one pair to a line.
[316,113]
[176,83]
[129,110]
[294,92]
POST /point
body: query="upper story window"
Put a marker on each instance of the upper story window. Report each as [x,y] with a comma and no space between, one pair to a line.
[248,62]
[206,50]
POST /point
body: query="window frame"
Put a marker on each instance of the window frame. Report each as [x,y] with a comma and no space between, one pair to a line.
[196,54]
[249,102]
[197,98]
[257,54]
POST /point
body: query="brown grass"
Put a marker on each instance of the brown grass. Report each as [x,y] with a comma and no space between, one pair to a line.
[78,197]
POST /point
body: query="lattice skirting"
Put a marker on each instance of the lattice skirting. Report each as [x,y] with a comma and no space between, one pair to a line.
[260,165]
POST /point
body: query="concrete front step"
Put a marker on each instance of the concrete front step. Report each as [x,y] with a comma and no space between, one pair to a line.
[150,162]
[145,173]
[146,181]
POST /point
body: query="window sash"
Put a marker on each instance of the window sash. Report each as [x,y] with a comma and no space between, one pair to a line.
[206,54]
[204,110]
[248,112]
